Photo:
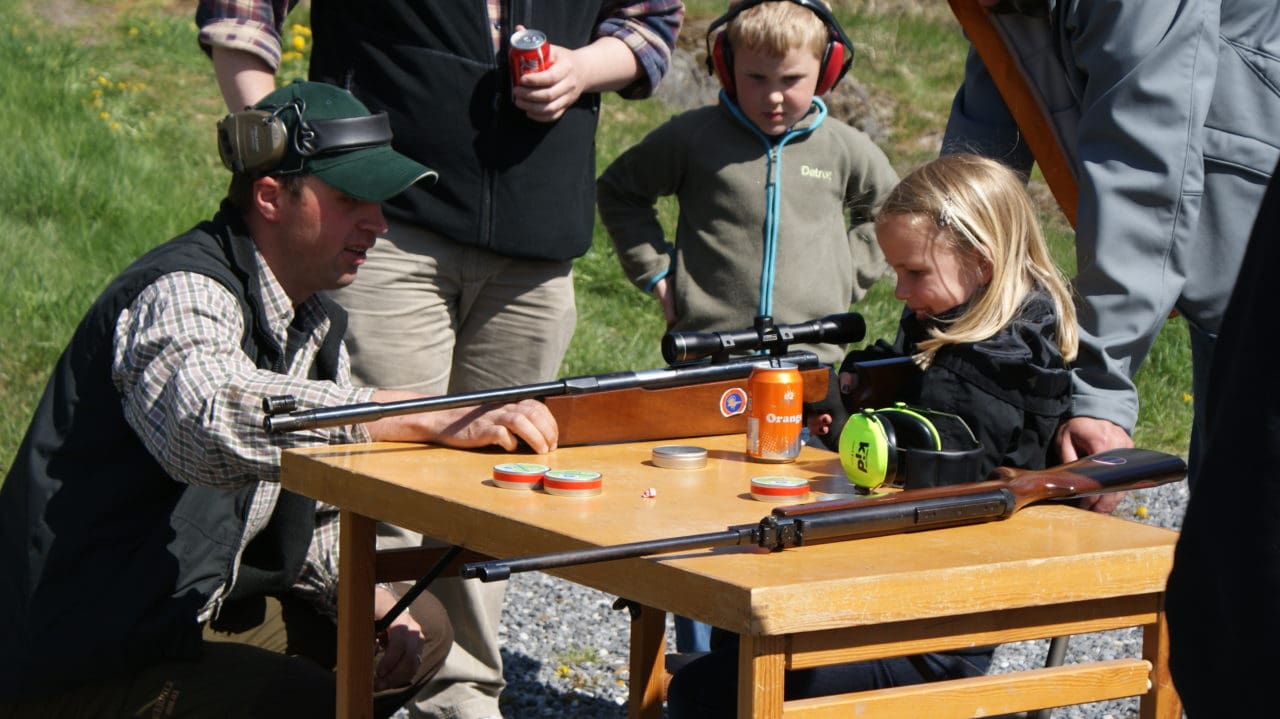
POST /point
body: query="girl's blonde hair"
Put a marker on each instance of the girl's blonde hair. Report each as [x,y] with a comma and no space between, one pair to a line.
[774,28]
[985,213]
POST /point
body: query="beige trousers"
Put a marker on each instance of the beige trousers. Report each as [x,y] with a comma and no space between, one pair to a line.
[434,316]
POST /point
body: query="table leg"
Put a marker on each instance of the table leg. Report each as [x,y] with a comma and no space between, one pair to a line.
[648,654]
[355,616]
[1162,701]
[762,664]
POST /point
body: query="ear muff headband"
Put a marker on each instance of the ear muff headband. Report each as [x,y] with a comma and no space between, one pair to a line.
[902,446]
[836,58]
[255,141]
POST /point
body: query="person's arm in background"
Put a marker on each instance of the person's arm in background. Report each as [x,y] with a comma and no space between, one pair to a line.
[243,39]
[630,54]
[626,196]
[1150,67]
[873,177]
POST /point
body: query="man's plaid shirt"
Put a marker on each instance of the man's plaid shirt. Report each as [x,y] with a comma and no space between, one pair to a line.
[195,399]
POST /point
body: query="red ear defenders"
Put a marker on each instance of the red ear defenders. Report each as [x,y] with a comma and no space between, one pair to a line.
[836,59]
[909,447]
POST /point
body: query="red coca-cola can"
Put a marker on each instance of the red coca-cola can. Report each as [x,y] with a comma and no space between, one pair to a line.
[775,409]
[529,52]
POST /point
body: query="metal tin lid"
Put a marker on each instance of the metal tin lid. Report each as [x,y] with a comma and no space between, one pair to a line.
[779,489]
[679,456]
[572,482]
[518,475]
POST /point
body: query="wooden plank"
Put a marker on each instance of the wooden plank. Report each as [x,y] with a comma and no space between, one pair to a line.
[761,669]
[1163,702]
[990,695]
[355,616]
[837,646]
[648,675]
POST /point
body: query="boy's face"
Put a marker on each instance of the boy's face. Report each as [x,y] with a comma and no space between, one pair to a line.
[775,92]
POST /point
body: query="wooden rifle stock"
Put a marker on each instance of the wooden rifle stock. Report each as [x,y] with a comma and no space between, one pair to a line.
[677,401]
[1026,107]
[906,511]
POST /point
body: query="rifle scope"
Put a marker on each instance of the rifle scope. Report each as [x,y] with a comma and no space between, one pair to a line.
[836,329]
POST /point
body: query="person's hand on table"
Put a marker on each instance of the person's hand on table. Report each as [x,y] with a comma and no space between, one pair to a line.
[502,424]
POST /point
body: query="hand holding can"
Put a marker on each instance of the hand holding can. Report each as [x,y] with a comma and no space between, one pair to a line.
[529,52]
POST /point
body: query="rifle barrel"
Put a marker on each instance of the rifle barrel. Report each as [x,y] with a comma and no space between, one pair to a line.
[496,569]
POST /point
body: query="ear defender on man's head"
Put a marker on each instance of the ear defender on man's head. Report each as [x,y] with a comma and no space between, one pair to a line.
[836,58]
[256,140]
[909,447]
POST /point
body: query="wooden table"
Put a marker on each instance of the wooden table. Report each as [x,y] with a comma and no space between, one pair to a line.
[1047,571]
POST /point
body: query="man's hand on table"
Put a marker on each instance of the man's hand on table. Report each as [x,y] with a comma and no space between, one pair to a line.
[502,424]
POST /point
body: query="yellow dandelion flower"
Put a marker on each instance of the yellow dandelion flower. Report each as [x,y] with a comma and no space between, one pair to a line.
[301,30]
[1186,397]
[299,43]
[563,671]
[104,81]
[95,92]
[1140,511]
[122,85]
[133,32]
[104,115]
[115,127]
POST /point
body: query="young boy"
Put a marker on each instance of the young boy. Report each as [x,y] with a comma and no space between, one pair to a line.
[756,235]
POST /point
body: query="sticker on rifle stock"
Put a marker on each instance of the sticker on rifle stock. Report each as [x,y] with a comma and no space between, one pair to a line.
[1108,459]
[733,401]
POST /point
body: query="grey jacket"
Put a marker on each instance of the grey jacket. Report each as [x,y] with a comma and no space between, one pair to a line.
[723,264]
[1170,114]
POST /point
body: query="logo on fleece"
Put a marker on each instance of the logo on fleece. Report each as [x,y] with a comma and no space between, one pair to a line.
[806,171]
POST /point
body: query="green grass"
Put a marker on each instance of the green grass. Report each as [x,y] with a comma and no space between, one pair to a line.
[109,124]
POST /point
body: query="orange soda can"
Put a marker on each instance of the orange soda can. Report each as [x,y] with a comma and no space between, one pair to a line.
[775,399]
[529,52]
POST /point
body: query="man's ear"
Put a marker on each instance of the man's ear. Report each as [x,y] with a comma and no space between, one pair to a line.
[266,196]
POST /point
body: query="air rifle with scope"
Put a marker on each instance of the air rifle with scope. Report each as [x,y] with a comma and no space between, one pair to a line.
[689,398]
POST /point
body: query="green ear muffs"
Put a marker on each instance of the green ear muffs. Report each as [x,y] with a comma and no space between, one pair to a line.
[903,446]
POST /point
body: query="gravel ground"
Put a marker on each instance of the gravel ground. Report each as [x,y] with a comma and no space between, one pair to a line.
[565,647]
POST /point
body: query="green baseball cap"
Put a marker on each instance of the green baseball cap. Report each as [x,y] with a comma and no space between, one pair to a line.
[333,136]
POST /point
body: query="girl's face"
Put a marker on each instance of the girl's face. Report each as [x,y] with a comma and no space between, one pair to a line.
[932,277]
[774,93]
